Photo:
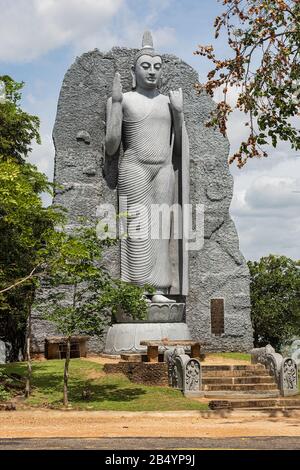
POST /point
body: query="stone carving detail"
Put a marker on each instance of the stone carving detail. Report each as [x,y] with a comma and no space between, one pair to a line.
[273,362]
[258,355]
[172,371]
[170,359]
[284,370]
[184,372]
[192,375]
[83,136]
[289,377]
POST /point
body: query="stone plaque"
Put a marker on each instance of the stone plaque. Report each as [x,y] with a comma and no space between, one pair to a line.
[217,316]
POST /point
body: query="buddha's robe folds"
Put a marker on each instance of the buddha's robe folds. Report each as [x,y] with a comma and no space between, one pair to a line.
[146,178]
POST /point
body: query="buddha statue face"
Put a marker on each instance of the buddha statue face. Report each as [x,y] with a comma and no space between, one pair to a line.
[147,71]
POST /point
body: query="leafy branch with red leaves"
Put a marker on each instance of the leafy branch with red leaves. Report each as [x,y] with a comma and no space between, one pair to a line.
[264,39]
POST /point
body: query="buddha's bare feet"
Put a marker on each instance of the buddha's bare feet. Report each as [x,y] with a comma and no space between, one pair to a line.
[159,299]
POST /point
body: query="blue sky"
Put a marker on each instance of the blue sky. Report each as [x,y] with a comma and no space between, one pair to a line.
[39,40]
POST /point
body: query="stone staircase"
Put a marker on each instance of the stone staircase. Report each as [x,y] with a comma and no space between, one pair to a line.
[245,381]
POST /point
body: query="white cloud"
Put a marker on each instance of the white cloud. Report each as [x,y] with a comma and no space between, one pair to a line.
[274,193]
[43,157]
[265,206]
[31,28]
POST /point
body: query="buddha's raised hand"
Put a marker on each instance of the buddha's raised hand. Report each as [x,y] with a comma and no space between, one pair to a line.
[176,100]
[117,95]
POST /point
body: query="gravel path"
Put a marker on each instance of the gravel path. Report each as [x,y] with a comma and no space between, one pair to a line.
[96,424]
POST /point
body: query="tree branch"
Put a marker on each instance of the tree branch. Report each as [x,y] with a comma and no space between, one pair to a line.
[21,281]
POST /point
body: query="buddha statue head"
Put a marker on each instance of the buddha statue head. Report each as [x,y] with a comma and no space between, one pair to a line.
[147,68]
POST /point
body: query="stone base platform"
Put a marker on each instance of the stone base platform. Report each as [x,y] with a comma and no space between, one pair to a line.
[126,337]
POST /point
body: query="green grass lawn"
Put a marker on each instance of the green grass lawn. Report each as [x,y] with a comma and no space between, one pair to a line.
[234,355]
[108,392]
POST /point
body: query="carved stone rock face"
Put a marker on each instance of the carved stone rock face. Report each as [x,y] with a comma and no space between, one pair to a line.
[218,269]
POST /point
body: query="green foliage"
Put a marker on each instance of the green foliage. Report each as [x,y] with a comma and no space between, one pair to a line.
[121,296]
[4,395]
[264,68]
[25,225]
[9,386]
[18,128]
[75,260]
[24,222]
[234,355]
[275,299]
[107,391]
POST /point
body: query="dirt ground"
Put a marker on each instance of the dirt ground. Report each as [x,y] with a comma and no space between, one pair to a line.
[93,424]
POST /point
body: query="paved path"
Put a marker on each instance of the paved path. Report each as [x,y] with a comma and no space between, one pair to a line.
[247,443]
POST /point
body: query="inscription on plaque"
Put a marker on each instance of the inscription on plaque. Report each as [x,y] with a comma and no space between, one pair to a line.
[217,316]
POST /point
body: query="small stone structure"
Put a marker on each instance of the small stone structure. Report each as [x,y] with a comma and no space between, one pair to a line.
[284,370]
[55,347]
[154,347]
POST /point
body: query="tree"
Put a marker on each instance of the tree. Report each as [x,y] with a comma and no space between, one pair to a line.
[74,260]
[275,299]
[18,128]
[24,223]
[264,66]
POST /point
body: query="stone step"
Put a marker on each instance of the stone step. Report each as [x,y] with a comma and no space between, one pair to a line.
[241,387]
[254,403]
[267,379]
[241,395]
[233,373]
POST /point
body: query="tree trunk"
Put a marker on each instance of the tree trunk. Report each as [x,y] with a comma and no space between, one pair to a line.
[28,357]
[66,371]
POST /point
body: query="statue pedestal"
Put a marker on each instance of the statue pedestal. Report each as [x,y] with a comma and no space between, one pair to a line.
[163,321]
